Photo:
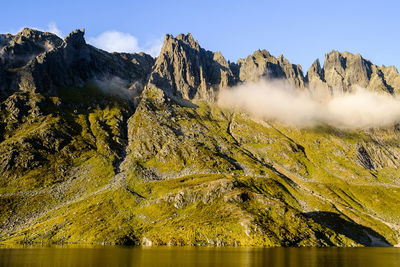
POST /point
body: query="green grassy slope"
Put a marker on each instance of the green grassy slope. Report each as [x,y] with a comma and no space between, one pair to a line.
[174,175]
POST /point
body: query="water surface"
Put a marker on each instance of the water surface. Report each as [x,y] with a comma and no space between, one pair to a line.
[189,256]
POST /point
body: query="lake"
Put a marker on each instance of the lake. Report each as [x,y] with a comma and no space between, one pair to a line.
[192,256]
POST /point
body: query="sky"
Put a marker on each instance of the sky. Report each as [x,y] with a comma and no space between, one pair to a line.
[300,30]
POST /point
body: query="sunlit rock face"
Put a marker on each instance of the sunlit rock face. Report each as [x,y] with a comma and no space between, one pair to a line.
[185,70]
[344,72]
[262,65]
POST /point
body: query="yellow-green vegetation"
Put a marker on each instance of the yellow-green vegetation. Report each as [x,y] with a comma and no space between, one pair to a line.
[174,175]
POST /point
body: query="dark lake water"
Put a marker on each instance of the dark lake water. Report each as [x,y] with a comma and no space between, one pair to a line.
[165,256]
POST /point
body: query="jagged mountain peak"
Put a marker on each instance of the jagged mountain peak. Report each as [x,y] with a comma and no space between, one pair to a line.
[184,70]
[47,39]
[262,65]
[76,38]
[261,54]
[341,59]
[315,69]
[345,71]
[188,38]
[181,39]
[27,41]
[31,33]
[43,62]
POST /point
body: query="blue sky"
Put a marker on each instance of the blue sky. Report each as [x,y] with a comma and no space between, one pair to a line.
[300,30]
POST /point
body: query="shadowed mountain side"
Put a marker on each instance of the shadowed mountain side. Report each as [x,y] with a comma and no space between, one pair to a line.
[347,227]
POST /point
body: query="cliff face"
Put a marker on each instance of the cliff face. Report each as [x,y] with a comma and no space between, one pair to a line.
[263,65]
[125,149]
[73,63]
[342,72]
[17,50]
[185,70]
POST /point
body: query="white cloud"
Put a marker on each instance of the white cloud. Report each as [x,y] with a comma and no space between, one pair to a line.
[52,27]
[277,100]
[115,41]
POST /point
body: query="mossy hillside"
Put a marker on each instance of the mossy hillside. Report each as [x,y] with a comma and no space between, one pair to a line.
[69,149]
[199,209]
[64,135]
[210,176]
[322,161]
[172,140]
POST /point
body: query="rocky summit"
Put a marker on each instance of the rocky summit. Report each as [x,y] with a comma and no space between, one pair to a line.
[118,148]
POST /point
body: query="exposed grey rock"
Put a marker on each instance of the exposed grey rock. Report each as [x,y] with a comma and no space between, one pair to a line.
[17,50]
[316,81]
[142,61]
[184,70]
[5,39]
[24,46]
[364,158]
[74,63]
[315,72]
[391,77]
[344,72]
[263,65]
[57,63]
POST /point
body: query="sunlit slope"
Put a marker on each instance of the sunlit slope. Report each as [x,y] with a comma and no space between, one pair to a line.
[57,150]
[209,176]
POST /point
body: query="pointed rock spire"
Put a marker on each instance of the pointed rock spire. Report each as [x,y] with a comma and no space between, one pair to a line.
[262,65]
[186,71]
[76,38]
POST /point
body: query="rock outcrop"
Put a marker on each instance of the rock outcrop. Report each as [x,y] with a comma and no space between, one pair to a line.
[344,72]
[19,49]
[262,65]
[4,39]
[73,63]
[184,70]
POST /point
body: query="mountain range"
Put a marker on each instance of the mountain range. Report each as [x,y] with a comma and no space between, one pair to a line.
[119,148]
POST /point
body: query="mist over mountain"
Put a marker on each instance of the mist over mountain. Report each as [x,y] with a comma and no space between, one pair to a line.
[190,149]
[277,100]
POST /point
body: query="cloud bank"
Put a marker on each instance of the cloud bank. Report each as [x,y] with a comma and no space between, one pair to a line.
[276,100]
[115,41]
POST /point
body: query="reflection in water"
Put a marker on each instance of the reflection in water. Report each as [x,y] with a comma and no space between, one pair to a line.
[188,256]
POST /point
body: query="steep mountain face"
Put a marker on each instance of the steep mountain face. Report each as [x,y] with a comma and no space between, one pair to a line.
[342,72]
[263,65]
[184,70]
[124,149]
[74,62]
[17,50]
